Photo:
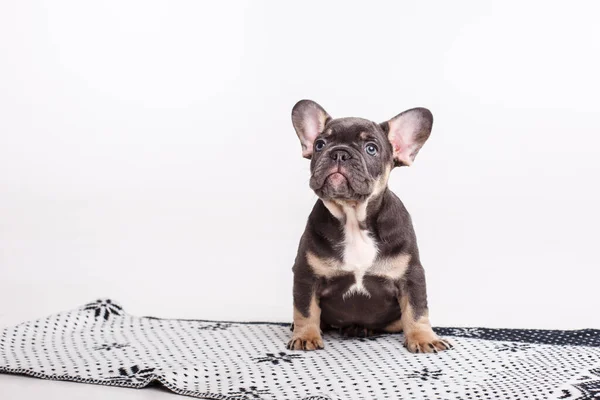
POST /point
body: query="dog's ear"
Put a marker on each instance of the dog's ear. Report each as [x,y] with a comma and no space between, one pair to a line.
[309,120]
[407,132]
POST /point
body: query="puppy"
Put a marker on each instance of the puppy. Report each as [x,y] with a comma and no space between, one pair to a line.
[358,267]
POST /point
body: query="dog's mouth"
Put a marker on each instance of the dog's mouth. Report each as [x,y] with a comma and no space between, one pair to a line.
[337,179]
[340,183]
[334,177]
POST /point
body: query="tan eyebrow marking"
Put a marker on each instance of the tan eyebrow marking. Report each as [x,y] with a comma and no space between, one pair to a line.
[368,136]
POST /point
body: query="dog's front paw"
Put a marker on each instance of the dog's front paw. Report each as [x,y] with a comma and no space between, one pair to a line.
[309,339]
[425,342]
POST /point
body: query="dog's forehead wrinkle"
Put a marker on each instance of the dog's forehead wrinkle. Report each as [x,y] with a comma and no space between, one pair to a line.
[351,125]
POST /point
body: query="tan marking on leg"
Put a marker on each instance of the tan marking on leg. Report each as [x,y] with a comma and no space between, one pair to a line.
[419,337]
[307,330]
[326,267]
[394,327]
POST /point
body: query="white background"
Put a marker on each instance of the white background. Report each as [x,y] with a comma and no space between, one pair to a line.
[147,153]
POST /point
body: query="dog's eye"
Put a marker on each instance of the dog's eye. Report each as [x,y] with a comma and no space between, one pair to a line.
[371,149]
[319,145]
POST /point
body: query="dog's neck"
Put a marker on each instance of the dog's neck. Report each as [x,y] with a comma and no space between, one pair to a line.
[349,211]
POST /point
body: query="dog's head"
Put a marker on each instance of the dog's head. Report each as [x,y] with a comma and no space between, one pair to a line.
[351,158]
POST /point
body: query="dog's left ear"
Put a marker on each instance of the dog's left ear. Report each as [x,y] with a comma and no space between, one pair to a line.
[408,132]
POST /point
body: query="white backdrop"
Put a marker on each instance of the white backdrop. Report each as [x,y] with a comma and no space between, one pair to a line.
[147,153]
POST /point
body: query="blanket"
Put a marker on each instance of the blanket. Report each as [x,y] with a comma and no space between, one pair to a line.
[100,343]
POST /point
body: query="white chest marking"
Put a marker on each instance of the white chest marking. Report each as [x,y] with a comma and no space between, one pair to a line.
[360,251]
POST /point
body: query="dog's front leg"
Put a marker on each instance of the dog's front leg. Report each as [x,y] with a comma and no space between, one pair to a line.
[419,337]
[307,315]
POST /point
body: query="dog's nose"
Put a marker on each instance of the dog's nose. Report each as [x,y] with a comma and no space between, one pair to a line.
[340,155]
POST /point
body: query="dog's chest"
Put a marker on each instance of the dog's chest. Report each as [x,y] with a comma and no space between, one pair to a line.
[359,251]
[359,248]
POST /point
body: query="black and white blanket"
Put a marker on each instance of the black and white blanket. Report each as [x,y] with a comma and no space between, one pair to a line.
[100,343]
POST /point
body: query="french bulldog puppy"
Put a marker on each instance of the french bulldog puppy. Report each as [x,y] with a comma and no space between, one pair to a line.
[358,267]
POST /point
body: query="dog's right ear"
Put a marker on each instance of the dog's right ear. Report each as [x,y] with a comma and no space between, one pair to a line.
[309,120]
